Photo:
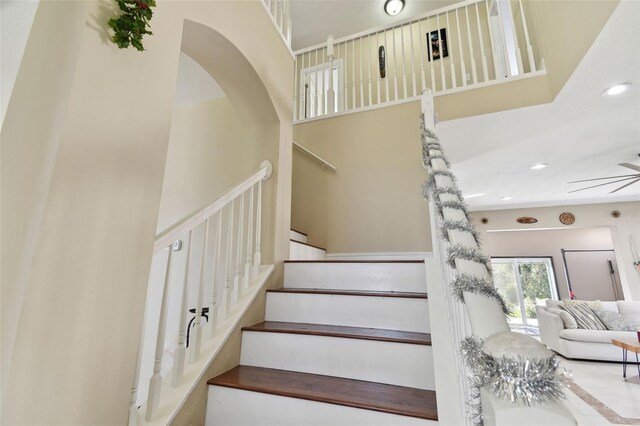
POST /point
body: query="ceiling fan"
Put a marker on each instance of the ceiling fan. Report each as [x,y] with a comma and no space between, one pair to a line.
[630,179]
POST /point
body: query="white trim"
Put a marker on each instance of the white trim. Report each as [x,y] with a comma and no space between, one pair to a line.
[174,398]
[386,27]
[525,76]
[394,255]
[324,163]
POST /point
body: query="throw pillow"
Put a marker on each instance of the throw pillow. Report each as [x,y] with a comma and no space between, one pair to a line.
[596,305]
[615,321]
[568,320]
[584,316]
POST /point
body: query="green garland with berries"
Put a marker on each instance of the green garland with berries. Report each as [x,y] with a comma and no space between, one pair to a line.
[133,24]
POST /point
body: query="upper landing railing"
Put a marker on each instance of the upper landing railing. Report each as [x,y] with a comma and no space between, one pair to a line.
[278,11]
[464,46]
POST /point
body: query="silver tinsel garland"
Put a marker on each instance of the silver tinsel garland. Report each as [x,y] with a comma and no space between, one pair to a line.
[519,380]
[459,225]
[471,284]
[458,251]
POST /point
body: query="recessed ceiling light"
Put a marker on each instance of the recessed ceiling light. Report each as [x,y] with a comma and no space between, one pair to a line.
[539,166]
[506,198]
[617,89]
[466,197]
[393,7]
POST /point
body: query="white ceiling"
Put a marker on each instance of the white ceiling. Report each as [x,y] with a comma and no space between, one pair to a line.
[314,20]
[580,135]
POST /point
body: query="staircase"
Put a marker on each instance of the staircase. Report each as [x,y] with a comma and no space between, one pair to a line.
[343,343]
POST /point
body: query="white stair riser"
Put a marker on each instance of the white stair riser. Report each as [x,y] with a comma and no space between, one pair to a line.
[299,251]
[235,407]
[391,313]
[402,277]
[293,235]
[376,361]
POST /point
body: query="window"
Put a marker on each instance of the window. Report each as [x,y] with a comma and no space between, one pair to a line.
[524,282]
[314,87]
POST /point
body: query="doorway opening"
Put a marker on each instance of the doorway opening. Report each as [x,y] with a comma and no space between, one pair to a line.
[524,282]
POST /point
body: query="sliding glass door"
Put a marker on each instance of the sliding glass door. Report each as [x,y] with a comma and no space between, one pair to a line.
[524,282]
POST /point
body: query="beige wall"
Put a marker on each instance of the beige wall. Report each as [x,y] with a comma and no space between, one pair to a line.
[91,130]
[373,203]
[587,216]
[562,32]
[547,243]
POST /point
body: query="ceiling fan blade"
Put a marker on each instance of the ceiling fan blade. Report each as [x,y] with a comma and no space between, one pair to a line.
[608,177]
[603,184]
[630,166]
[624,186]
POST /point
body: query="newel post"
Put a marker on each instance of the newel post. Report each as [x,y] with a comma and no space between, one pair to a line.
[331,94]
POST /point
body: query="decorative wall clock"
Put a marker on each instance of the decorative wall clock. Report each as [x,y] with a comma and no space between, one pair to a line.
[567,218]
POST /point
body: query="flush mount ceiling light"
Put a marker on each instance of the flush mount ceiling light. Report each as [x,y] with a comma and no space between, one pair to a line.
[466,197]
[506,198]
[618,89]
[393,7]
[539,166]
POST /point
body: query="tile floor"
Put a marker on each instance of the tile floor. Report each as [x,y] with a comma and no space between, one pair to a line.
[609,398]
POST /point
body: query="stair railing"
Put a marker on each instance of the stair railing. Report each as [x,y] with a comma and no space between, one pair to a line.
[470,44]
[225,260]
[279,12]
[488,339]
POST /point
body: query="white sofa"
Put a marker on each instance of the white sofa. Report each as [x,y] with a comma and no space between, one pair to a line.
[586,344]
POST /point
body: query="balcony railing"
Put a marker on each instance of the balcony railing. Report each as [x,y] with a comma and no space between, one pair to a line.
[278,11]
[467,45]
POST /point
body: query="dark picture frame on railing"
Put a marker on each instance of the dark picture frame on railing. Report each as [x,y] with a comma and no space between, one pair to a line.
[436,41]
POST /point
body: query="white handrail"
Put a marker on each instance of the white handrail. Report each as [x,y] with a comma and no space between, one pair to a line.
[172,234]
[324,163]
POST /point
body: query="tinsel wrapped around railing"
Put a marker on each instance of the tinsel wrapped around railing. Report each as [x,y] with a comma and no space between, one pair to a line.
[520,379]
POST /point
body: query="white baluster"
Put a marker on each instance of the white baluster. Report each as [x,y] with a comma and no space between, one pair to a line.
[316,111]
[369,68]
[463,70]
[404,63]
[353,73]
[454,82]
[361,79]
[257,256]
[296,89]
[507,61]
[289,23]
[474,74]
[239,264]
[431,67]
[496,73]
[378,67]
[214,309]
[346,76]
[331,94]
[133,402]
[248,270]
[485,70]
[229,266]
[179,356]
[422,74]
[413,63]
[515,39]
[532,61]
[340,92]
[194,354]
[395,64]
[386,65]
[443,76]
[280,14]
[155,383]
[323,91]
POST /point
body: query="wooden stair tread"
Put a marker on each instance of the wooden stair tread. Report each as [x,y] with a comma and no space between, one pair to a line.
[307,244]
[392,399]
[299,232]
[379,334]
[341,292]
